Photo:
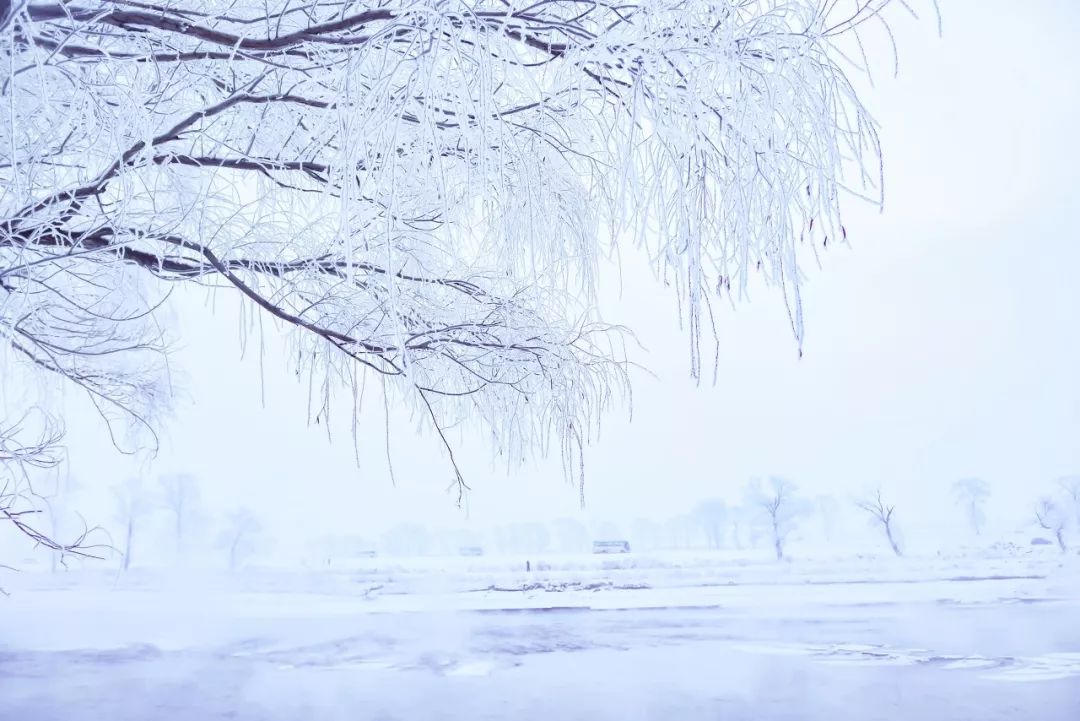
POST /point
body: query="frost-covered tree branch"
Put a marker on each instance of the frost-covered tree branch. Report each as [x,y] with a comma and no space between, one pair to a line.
[417,189]
[29,444]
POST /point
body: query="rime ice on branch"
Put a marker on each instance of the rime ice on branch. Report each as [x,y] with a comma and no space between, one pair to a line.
[416,189]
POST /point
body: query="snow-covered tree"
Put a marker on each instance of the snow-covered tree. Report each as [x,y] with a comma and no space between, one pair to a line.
[418,190]
[712,517]
[748,520]
[131,502]
[971,495]
[680,531]
[179,495]
[882,514]
[777,500]
[239,536]
[1052,517]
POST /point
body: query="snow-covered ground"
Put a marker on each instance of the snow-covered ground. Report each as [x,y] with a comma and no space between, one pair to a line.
[676,637]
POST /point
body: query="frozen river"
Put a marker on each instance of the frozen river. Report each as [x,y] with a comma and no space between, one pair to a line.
[148,656]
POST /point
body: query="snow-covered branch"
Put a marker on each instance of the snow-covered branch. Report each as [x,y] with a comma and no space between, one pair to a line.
[28,444]
[416,189]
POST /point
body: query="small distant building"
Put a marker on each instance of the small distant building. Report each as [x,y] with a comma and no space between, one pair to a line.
[611,547]
[470,551]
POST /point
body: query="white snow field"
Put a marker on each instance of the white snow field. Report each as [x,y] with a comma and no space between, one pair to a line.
[628,638]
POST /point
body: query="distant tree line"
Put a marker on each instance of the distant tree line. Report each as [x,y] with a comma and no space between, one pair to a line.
[167,519]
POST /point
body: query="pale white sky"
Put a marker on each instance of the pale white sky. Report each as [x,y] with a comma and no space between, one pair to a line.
[944,343]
